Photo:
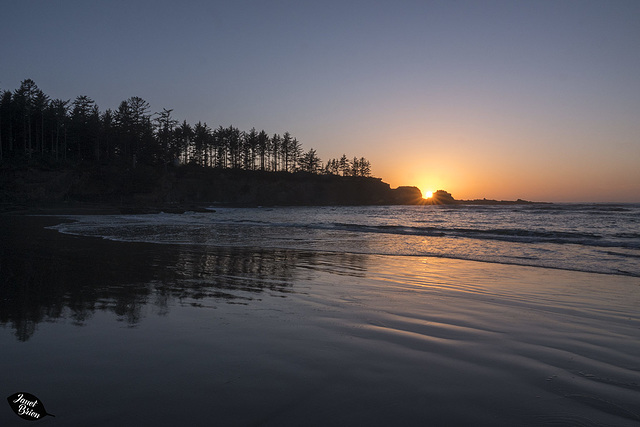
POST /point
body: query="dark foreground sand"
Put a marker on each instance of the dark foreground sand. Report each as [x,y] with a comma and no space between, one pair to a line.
[109,333]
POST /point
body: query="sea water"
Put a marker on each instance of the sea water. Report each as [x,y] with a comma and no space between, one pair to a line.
[599,238]
[326,316]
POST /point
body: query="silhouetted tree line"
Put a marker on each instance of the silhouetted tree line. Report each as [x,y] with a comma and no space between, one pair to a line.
[33,126]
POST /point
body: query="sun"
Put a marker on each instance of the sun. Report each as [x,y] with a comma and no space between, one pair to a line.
[427,194]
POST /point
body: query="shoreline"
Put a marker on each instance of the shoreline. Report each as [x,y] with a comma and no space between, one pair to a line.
[60,212]
[346,337]
[89,208]
[317,337]
[103,208]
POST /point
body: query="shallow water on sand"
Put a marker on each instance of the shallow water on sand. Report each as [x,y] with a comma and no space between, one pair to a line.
[597,238]
[130,333]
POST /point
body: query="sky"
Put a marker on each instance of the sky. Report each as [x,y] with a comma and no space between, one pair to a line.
[538,100]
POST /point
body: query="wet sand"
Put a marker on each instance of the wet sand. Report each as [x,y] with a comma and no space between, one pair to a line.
[111,333]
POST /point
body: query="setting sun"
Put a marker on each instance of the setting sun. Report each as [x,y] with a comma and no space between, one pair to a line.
[427,194]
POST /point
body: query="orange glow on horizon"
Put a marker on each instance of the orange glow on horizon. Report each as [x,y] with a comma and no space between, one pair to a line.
[476,173]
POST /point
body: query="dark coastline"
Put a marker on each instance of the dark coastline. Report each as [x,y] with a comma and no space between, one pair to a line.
[191,185]
[176,189]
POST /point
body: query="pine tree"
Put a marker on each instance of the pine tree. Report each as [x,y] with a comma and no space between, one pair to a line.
[165,134]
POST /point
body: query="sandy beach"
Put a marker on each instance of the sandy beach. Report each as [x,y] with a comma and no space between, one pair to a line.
[109,333]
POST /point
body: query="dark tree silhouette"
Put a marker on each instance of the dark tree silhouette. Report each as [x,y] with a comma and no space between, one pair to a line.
[296,152]
[165,134]
[250,149]
[83,128]
[184,136]
[107,135]
[343,165]
[5,121]
[34,127]
[285,149]
[201,139]
[233,138]
[263,149]
[141,131]
[275,151]
[310,162]
[24,99]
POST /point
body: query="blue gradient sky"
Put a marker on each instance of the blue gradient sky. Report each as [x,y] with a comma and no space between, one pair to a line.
[499,99]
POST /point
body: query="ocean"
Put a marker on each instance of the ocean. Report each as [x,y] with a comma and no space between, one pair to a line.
[598,238]
[521,315]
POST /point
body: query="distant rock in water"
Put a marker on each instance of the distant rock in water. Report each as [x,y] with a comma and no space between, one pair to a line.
[406,195]
[441,197]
